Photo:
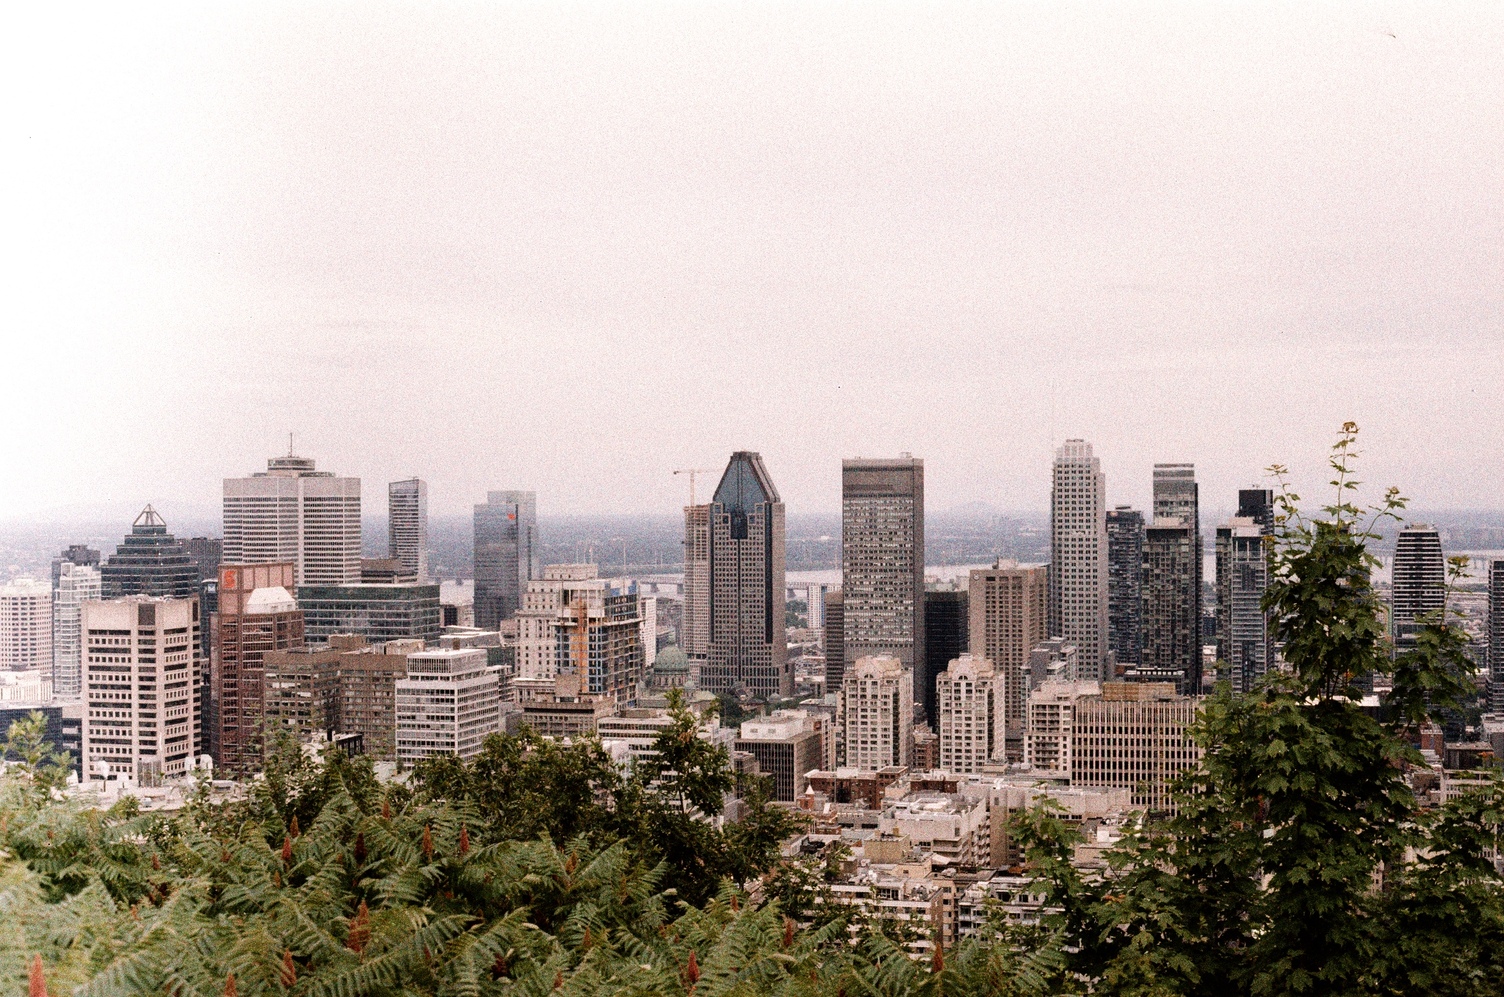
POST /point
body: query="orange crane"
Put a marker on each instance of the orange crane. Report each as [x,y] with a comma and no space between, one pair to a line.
[692,471]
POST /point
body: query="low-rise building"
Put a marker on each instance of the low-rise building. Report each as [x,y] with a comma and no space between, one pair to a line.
[787,747]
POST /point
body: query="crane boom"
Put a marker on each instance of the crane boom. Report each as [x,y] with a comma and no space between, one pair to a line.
[692,471]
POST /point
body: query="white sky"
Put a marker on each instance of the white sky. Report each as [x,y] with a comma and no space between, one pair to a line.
[571,248]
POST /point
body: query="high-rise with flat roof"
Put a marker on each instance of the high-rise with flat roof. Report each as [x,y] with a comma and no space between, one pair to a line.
[743,583]
[141,673]
[377,611]
[1177,497]
[506,554]
[26,625]
[1171,615]
[1007,610]
[1418,583]
[73,584]
[969,697]
[448,704]
[1125,568]
[1496,635]
[835,641]
[1078,555]
[407,527]
[882,561]
[292,513]
[1243,640]
[1257,504]
[947,636]
[1134,736]
[879,713]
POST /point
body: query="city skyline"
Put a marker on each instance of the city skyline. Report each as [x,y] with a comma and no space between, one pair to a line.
[335,217]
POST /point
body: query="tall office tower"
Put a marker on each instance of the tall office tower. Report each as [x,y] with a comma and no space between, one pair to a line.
[506,554]
[1078,555]
[1134,736]
[257,614]
[969,698]
[947,636]
[73,584]
[1172,615]
[1176,495]
[747,648]
[882,561]
[448,704]
[1257,504]
[879,699]
[141,668]
[1243,642]
[150,561]
[1418,583]
[1007,617]
[293,513]
[407,527]
[835,641]
[1125,567]
[1496,635]
[583,631]
[26,625]
[694,625]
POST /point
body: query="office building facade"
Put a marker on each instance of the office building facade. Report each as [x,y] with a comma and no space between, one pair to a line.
[407,527]
[1496,635]
[448,704]
[1172,612]
[835,641]
[292,513]
[377,612]
[787,748]
[1078,554]
[947,636]
[141,671]
[506,554]
[882,562]
[1125,566]
[1418,585]
[1050,731]
[970,703]
[257,614]
[734,548]
[73,585]
[879,713]
[1008,610]
[1134,736]
[1177,496]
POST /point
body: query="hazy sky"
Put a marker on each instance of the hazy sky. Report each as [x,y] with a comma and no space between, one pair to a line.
[571,248]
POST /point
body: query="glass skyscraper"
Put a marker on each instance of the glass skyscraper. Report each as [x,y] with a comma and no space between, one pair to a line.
[506,554]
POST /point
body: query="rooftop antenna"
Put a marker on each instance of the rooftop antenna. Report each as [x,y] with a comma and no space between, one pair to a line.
[289,444]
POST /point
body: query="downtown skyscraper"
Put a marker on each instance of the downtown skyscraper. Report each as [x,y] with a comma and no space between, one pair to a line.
[882,564]
[1172,580]
[506,554]
[1418,583]
[1496,635]
[1125,572]
[292,513]
[407,527]
[734,584]
[1244,644]
[1078,556]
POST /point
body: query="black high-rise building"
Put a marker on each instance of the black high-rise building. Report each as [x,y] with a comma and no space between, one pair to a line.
[835,641]
[1125,570]
[1257,504]
[1496,636]
[150,561]
[75,554]
[946,637]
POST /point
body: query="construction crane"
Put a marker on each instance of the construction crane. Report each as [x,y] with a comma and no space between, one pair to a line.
[692,471]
